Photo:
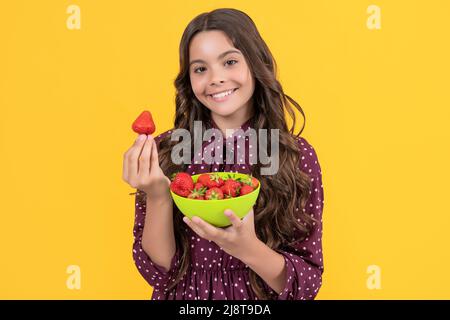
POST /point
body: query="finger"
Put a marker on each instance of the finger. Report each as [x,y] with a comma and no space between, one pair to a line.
[125,167]
[144,159]
[154,163]
[210,231]
[235,220]
[194,227]
[134,157]
[155,157]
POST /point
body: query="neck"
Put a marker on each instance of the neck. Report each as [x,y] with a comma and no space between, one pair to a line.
[233,121]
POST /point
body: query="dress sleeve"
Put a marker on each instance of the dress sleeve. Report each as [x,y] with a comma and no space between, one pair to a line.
[154,274]
[304,259]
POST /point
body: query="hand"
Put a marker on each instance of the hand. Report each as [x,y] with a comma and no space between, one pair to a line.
[236,240]
[141,168]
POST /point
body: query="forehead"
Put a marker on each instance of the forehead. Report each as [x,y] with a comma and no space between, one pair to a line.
[209,44]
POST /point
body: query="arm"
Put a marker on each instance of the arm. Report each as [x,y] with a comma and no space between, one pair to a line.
[300,275]
[160,271]
[268,264]
[154,248]
[158,239]
[294,273]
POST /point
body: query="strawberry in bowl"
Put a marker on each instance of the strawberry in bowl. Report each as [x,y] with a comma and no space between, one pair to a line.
[208,195]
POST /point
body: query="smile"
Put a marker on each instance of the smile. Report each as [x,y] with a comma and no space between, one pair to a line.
[221,97]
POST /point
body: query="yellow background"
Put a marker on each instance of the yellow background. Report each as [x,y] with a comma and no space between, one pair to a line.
[377,107]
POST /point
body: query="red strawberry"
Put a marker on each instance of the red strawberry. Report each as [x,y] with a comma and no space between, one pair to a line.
[198,194]
[210,180]
[144,123]
[228,191]
[214,194]
[246,189]
[182,184]
[230,188]
[198,186]
[232,182]
[251,181]
[203,179]
[220,182]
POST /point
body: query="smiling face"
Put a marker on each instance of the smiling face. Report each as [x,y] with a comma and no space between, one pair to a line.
[217,66]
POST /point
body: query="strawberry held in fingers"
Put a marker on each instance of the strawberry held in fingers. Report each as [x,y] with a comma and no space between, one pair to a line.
[182,184]
[144,123]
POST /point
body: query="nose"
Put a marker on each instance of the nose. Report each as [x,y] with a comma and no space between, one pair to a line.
[215,81]
[217,78]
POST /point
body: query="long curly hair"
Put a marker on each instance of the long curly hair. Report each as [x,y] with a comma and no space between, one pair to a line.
[277,222]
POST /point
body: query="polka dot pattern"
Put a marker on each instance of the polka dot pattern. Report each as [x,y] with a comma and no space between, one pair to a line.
[215,275]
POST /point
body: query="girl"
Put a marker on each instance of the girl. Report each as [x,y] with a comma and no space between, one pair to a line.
[275,252]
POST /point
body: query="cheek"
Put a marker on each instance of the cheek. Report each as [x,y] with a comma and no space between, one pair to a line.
[247,84]
[197,86]
[244,77]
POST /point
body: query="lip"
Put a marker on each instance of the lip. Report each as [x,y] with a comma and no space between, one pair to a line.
[223,98]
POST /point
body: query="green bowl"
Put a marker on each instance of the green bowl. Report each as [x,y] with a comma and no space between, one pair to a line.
[212,211]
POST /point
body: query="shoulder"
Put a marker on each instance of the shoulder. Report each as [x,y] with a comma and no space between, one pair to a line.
[309,161]
[162,136]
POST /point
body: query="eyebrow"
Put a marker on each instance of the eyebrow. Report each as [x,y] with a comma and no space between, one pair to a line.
[218,58]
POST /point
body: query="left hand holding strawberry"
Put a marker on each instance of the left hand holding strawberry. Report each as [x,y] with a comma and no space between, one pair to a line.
[236,240]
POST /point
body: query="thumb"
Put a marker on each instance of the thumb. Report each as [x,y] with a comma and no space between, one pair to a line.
[250,216]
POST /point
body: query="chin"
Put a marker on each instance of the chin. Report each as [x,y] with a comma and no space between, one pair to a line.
[222,113]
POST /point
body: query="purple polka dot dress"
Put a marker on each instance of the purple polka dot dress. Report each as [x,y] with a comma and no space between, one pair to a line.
[215,275]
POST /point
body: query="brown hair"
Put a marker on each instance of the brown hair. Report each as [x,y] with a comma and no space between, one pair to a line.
[275,212]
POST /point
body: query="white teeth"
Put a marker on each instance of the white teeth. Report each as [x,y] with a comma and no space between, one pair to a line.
[223,94]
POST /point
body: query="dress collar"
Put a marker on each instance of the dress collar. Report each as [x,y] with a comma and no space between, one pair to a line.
[241,165]
[243,126]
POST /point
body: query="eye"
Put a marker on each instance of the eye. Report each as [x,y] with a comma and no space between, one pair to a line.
[196,70]
[233,61]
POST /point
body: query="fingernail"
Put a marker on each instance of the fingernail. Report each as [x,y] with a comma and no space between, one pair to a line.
[141,137]
[227,212]
[185,219]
